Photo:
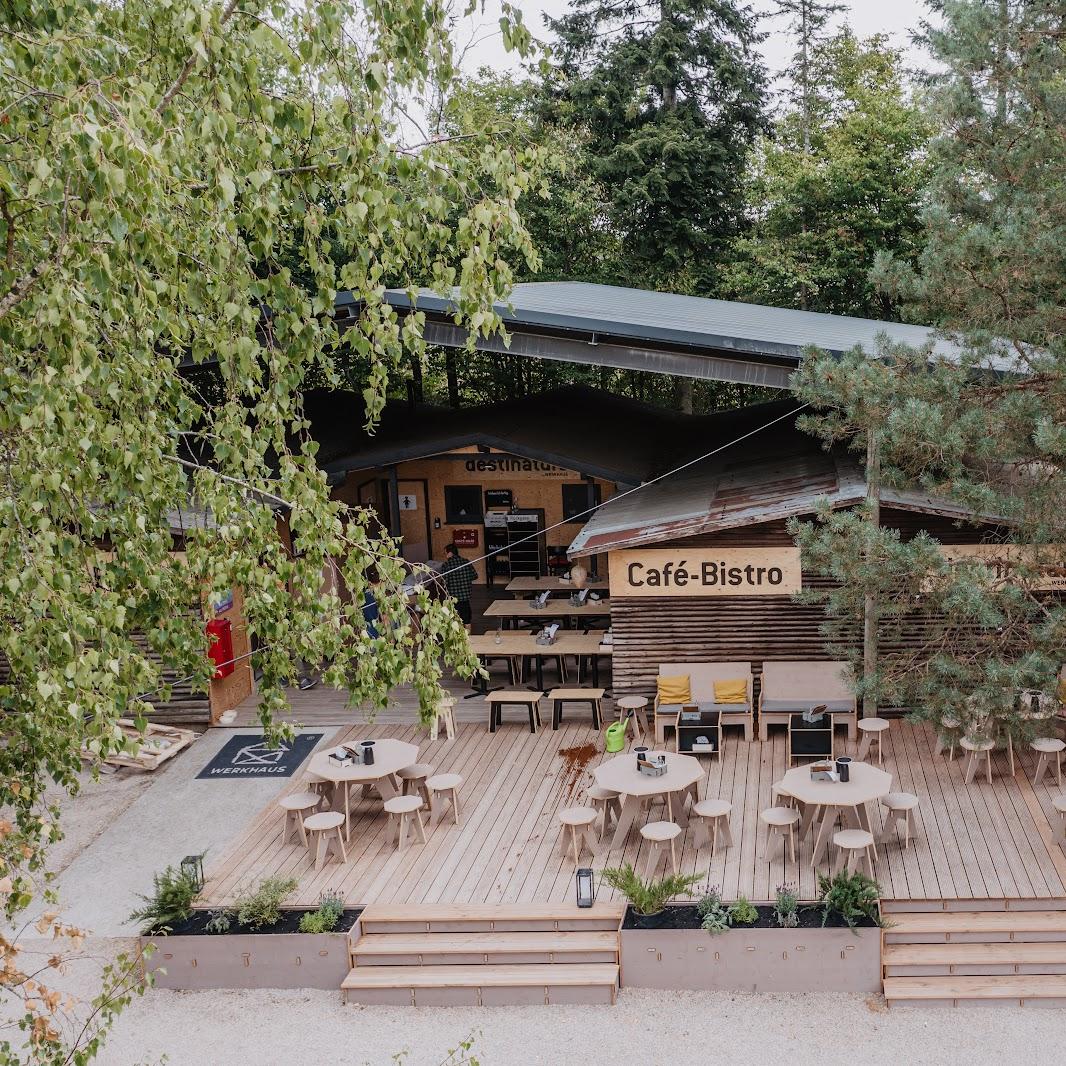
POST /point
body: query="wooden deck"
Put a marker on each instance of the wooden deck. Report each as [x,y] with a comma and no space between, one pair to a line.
[974,841]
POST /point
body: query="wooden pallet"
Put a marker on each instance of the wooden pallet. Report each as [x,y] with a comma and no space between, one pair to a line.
[155,746]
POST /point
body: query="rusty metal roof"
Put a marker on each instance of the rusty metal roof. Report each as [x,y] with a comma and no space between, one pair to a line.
[742,489]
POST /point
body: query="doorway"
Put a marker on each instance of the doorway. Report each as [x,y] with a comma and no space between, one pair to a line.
[414,519]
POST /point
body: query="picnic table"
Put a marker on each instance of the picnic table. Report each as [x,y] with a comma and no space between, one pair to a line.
[516,646]
[511,611]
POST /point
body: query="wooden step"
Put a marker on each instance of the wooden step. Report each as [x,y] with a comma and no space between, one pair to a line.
[493,985]
[420,949]
[942,925]
[973,959]
[1032,988]
[472,917]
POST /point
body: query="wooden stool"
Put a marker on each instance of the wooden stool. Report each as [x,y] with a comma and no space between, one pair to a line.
[858,844]
[324,835]
[319,785]
[635,707]
[713,815]
[1059,803]
[513,697]
[658,835]
[414,780]
[401,809]
[783,822]
[872,728]
[900,807]
[947,736]
[607,803]
[978,749]
[448,787]
[591,696]
[296,807]
[445,713]
[1048,746]
[578,820]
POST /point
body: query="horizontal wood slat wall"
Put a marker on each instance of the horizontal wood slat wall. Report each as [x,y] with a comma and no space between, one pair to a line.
[650,631]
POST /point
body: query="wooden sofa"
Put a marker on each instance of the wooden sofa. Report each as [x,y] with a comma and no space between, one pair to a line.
[702,677]
[789,686]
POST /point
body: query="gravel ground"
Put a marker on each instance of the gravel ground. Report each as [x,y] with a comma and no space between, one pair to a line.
[643,1029]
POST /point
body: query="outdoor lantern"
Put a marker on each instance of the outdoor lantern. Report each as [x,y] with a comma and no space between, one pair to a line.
[192,867]
[585,891]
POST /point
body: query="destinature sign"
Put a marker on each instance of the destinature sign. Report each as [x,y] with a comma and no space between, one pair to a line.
[706,572]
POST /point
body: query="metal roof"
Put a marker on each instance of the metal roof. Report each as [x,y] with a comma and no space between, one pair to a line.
[663,332]
[742,489]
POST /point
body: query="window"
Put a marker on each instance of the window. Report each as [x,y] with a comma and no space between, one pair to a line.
[576,501]
[462,503]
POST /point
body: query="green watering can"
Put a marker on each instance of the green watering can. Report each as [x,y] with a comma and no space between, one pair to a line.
[616,736]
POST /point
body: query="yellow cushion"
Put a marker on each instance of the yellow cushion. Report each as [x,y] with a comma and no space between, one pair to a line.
[674,689]
[731,692]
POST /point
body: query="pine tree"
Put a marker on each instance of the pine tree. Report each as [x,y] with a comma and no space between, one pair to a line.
[988,428]
[671,96]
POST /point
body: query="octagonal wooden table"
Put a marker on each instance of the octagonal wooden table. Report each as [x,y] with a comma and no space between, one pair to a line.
[866,783]
[390,756]
[621,775]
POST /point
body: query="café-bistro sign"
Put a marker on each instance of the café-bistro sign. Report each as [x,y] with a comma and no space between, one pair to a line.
[705,572]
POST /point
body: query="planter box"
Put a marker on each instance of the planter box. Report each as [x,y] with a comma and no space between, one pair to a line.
[249,960]
[753,960]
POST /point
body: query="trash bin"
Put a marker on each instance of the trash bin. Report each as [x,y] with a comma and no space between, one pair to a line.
[615,735]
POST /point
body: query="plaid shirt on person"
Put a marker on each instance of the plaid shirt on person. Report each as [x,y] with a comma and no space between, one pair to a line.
[458,576]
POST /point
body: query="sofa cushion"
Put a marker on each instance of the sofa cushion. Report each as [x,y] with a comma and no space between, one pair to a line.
[732,691]
[674,689]
[836,706]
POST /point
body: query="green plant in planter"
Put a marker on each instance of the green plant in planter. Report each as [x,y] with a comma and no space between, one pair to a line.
[851,896]
[786,907]
[170,902]
[262,905]
[326,917]
[743,912]
[219,922]
[648,897]
[715,916]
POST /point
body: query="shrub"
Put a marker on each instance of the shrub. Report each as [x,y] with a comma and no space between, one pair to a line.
[648,897]
[714,915]
[786,907]
[169,904]
[851,896]
[326,917]
[262,906]
[743,912]
[219,922]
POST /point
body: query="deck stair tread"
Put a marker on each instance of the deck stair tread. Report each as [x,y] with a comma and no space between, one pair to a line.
[529,976]
[975,922]
[1022,953]
[488,912]
[488,943]
[1010,986]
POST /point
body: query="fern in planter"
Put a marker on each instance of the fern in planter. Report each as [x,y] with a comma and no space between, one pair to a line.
[648,898]
[169,904]
[851,896]
[743,912]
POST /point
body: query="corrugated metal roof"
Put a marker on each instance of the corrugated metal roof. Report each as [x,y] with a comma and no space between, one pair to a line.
[692,322]
[731,491]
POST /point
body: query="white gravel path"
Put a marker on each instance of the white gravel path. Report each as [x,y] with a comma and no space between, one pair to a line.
[643,1029]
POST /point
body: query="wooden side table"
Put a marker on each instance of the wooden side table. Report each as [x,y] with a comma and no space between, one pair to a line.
[591,696]
[513,698]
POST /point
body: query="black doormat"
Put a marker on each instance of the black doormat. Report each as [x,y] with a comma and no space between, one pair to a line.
[246,755]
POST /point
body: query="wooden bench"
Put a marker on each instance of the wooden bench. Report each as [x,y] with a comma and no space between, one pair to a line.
[513,698]
[788,686]
[591,696]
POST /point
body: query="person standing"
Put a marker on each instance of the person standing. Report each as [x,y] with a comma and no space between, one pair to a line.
[459,580]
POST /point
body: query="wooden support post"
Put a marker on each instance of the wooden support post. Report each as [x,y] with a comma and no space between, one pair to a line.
[869,622]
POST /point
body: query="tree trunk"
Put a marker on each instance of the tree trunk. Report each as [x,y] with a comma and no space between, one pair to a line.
[683,388]
[452,376]
[416,379]
[869,621]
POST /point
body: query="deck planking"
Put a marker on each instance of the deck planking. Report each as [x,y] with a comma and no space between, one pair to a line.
[973,841]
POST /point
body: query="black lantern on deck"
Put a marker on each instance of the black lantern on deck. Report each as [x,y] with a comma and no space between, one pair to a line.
[192,868]
[586,893]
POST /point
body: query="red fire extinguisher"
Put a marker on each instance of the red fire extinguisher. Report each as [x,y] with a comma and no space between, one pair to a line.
[220,646]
